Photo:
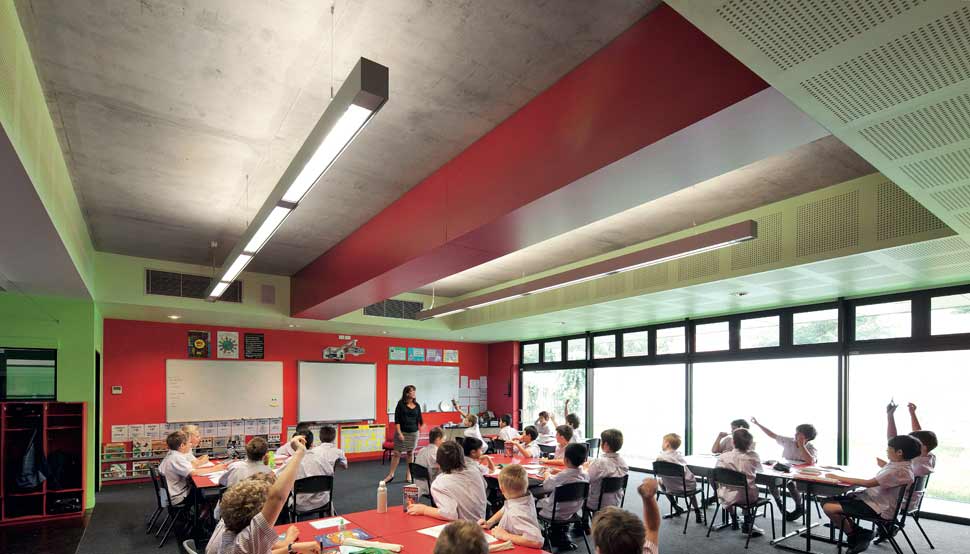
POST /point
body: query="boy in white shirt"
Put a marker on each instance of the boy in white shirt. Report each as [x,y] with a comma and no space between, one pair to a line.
[574,457]
[529,448]
[472,448]
[546,427]
[458,492]
[925,463]
[470,421]
[564,435]
[609,464]
[797,450]
[427,457]
[177,467]
[724,441]
[573,421]
[315,463]
[745,460]
[506,432]
[516,521]
[255,453]
[195,437]
[879,497]
[284,450]
[617,531]
[671,454]
[328,450]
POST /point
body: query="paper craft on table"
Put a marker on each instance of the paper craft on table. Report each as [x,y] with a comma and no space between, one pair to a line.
[329,522]
[342,537]
[436,530]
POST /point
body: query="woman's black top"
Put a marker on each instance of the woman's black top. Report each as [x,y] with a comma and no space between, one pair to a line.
[408,418]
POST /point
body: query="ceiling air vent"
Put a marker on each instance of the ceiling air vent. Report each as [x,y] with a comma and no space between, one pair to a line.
[398,309]
[167,283]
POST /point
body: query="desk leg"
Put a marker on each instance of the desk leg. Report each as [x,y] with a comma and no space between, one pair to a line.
[784,504]
[806,507]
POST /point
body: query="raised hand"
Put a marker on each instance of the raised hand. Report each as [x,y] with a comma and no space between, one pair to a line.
[648,487]
[722,434]
[891,407]
[754,420]
[912,407]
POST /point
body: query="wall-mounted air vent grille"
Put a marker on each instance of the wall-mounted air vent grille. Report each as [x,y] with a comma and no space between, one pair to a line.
[899,214]
[827,225]
[397,309]
[167,283]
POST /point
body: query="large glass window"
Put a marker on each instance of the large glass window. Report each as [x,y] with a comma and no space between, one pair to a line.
[950,314]
[889,320]
[937,383]
[552,351]
[549,390]
[530,354]
[28,374]
[604,346]
[712,336]
[576,349]
[815,327]
[781,393]
[617,391]
[671,340]
[760,332]
[635,344]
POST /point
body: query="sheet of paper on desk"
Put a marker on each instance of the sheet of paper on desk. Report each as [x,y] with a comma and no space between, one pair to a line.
[215,476]
[329,522]
[436,530]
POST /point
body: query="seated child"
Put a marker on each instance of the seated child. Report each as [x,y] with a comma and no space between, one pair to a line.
[617,531]
[249,509]
[470,420]
[880,495]
[925,463]
[284,450]
[506,432]
[564,435]
[670,453]
[724,441]
[609,464]
[426,457]
[328,450]
[546,426]
[516,521]
[256,450]
[472,448]
[745,460]
[458,492]
[314,463]
[575,455]
[177,468]
[573,421]
[195,436]
[461,537]
[529,448]
[797,450]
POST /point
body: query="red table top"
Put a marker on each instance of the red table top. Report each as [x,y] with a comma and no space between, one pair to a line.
[308,532]
[392,522]
[414,542]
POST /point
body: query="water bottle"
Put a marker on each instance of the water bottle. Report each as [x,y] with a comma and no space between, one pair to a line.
[382,498]
[271,459]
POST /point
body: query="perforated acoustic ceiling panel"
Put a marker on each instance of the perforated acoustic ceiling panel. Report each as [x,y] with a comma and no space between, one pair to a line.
[890,78]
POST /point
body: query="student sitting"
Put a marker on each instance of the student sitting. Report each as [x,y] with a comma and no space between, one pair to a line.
[472,448]
[546,426]
[881,493]
[925,463]
[564,435]
[177,468]
[671,454]
[797,450]
[516,521]
[249,509]
[617,531]
[254,463]
[427,457]
[609,464]
[314,463]
[461,537]
[470,421]
[745,460]
[284,450]
[574,457]
[458,492]
[506,432]
[529,447]
[328,450]
[573,421]
[724,441]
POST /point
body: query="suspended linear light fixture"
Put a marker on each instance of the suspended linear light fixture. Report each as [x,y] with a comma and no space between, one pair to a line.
[360,97]
[680,248]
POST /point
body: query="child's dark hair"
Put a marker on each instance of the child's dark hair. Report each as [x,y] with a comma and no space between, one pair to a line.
[617,531]
[507,419]
[328,433]
[575,454]
[305,433]
[256,448]
[544,414]
[928,438]
[301,426]
[470,444]
[531,431]
[435,434]
[740,424]
[613,438]
[742,439]
[909,445]
[573,421]
[808,430]
[176,440]
[566,432]
[450,456]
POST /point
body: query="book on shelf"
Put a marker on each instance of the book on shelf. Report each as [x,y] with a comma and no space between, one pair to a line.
[159,448]
[114,451]
[116,471]
[141,447]
[140,469]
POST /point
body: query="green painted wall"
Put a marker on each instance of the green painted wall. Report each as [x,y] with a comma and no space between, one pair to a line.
[74,328]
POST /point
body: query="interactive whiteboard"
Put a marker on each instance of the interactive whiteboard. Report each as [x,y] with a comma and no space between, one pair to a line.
[208,390]
[337,391]
[434,383]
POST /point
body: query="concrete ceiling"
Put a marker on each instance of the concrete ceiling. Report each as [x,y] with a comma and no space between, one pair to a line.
[813,166]
[168,112]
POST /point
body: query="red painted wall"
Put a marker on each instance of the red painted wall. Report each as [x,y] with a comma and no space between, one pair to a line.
[503,366]
[135,353]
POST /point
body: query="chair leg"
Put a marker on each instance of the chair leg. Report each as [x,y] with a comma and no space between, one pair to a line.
[746,513]
[909,542]
[773,535]
[152,520]
[925,536]
[686,517]
[713,519]
[164,521]
[168,530]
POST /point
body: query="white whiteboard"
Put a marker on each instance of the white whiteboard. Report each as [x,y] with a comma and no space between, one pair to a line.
[208,390]
[337,391]
[435,383]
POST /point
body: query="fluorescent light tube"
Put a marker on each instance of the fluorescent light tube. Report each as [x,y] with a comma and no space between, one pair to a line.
[336,140]
[220,288]
[489,303]
[266,230]
[449,313]
[236,268]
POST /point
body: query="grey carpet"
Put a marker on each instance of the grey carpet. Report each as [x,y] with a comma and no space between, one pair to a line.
[117,524]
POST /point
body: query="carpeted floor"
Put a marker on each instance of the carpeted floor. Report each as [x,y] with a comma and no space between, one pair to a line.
[117,524]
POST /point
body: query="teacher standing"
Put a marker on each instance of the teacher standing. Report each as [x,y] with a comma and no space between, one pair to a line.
[407,421]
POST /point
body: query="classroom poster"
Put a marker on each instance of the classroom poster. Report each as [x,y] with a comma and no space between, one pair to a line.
[397,353]
[224,428]
[119,433]
[136,431]
[254,346]
[198,344]
[451,356]
[415,354]
[227,344]
[433,355]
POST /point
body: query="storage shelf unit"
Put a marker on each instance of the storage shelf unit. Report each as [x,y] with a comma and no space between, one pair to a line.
[121,463]
[59,431]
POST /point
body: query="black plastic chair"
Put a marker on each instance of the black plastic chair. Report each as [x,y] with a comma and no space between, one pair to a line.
[593,444]
[311,485]
[419,472]
[724,477]
[675,473]
[159,503]
[175,511]
[887,527]
[498,446]
[570,492]
[547,449]
[914,511]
